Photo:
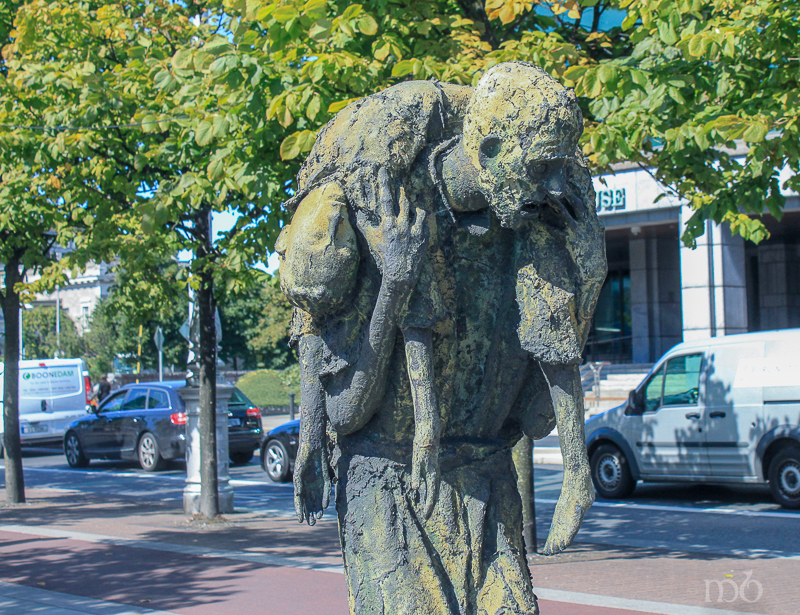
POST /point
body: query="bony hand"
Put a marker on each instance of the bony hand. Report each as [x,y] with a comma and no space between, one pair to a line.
[425,475]
[312,483]
[577,496]
[398,240]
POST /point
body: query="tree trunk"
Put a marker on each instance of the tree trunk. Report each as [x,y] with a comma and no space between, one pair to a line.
[209,484]
[15,481]
[523,463]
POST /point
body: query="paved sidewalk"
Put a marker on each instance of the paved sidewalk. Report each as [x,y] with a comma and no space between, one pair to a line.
[69,554]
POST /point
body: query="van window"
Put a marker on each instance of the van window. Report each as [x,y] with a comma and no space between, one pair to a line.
[682,380]
[158,399]
[653,391]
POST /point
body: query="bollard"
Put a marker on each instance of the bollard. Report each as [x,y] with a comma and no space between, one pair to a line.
[291,406]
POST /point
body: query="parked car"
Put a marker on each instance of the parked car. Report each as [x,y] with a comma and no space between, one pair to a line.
[146,422]
[279,449]
[52,394]
[720,410]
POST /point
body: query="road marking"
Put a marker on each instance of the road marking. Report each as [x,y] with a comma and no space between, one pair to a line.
[236,482]
[689,509]
[22,599]
[628,604]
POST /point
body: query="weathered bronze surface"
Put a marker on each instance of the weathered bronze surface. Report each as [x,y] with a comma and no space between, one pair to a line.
[444,259]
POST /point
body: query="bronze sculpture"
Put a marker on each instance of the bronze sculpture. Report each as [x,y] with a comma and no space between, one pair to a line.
[444,260]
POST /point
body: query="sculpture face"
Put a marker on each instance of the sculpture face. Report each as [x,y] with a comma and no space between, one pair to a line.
[524,185]
[520,130]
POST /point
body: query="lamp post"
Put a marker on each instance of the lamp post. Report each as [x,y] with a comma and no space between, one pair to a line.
[198,458]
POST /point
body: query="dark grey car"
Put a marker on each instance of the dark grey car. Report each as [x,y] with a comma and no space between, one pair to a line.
[147,422]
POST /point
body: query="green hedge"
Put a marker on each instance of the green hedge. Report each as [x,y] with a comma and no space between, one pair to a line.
[271,387]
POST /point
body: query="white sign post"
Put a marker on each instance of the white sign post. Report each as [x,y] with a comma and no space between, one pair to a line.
[158,338]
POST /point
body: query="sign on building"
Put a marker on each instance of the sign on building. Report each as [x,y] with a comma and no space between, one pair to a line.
[612,199]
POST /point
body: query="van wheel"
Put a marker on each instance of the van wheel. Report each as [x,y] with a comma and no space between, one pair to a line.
[611,474]
[784,477]
[149,454]
[74,451]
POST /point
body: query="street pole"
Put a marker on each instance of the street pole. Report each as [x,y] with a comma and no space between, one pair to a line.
[139,356]
[291,406]
[58,320]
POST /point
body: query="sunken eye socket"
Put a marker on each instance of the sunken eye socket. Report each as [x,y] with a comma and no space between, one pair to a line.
[490,146]
[537,169]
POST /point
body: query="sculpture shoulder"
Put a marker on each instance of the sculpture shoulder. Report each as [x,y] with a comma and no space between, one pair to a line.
[388,129]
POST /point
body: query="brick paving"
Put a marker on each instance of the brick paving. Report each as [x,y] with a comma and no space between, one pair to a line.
[150,556]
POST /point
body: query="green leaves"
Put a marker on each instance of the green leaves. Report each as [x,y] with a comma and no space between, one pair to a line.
[732,127]
[204,133]
[296,144]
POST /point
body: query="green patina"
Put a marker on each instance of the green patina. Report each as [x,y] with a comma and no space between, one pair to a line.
[444,259]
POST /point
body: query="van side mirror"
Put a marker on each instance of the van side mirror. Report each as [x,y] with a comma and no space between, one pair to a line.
[634,405]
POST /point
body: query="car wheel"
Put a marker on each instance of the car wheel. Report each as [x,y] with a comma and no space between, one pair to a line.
[74,451]
[275,461]
[241,458]
[784,477]
[611,474]
[149,453]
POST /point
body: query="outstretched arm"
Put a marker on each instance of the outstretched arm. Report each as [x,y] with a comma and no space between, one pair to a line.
[399,242]
[312,482]
[427,422]
[577,491]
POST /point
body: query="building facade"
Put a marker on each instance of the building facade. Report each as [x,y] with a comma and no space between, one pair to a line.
[659,292]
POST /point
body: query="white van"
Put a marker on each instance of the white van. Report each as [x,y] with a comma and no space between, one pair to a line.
[721,410]
[52,394]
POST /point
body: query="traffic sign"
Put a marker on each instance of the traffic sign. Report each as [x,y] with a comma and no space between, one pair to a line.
[158,338]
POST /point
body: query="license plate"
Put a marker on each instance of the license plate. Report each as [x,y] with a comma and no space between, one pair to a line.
[234,422]
[34,428]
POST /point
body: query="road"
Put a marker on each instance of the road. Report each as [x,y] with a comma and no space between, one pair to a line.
[730,521]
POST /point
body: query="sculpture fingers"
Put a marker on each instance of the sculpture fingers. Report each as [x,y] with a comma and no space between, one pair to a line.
[404,209]
[384,195]
[431,490]
[419,224]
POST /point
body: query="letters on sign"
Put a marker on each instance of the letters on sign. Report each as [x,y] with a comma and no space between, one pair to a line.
[611,200]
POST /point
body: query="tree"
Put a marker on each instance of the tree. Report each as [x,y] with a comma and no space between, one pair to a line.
[142,132]
[239,319]
[143,118]
[41,340]
[100,342]
[270,339]
[701,78]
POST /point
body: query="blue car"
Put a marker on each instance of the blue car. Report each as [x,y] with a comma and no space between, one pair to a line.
[146,422]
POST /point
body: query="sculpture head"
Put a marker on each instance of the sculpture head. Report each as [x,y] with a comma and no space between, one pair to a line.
[318,253]
[520,130]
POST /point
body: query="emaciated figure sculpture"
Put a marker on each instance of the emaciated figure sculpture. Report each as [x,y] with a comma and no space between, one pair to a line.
[444,259]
